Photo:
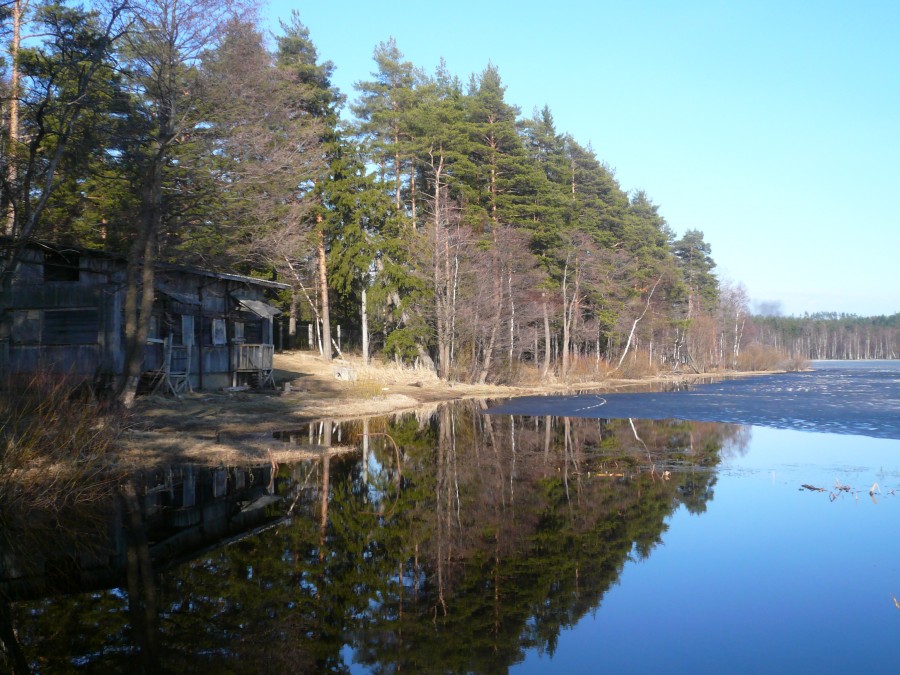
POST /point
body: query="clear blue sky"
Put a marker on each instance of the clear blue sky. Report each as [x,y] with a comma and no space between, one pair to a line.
[772,126]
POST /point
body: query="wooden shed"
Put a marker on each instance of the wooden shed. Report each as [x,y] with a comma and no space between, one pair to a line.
[65,313]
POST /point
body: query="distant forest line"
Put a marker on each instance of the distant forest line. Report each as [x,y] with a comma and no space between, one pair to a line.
[422,210]
[829,335]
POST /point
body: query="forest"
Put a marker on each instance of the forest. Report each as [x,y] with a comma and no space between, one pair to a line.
[829,335]
[423,212]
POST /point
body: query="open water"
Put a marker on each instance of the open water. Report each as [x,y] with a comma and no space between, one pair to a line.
[743,526]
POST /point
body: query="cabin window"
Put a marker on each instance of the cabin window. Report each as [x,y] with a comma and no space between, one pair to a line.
[213,332]
[59,266]
[253,332]
[219,336]
[26,328]
[238,331]
[71,326]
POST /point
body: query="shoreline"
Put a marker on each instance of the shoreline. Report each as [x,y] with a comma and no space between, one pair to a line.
[236,427]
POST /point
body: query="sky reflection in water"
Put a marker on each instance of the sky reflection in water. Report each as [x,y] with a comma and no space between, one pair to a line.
[771,578]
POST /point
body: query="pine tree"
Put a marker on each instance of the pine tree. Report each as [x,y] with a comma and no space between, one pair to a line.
[298,55]
[547,213]
[63,86]
[442,143]
[694,258]
[382,112]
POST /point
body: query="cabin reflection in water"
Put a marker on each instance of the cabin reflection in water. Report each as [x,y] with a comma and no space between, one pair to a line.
[449,539]
[178,510]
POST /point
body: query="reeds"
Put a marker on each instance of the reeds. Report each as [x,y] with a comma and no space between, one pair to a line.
[56,438]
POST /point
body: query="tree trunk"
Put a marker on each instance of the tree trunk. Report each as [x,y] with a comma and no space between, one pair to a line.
[18,11]
[564,371]
[140,291]
[547,347]
[452,354]
[636,322]
[323,291]
[412,192]
[365,328]
[292,321]
[488,353]
[397,184]
[498,304]
[512,321]
[440,284]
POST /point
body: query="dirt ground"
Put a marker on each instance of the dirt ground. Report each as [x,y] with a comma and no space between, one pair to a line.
[229,427]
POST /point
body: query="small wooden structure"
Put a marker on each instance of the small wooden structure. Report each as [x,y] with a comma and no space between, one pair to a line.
[65,313]
[174,374]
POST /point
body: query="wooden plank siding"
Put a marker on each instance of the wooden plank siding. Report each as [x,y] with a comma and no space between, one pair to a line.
[64,312]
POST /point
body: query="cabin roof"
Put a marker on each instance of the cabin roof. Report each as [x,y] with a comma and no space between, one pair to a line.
[6,242]
[225,276]
[262,309]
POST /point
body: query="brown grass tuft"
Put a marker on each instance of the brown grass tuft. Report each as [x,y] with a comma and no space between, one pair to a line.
[56,439]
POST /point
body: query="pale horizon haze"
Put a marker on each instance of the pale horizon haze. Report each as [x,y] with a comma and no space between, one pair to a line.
[773,127]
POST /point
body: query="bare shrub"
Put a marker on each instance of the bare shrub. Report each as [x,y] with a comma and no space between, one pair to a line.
[638,365]
[795,364]
[757,357]
[582,370]
[527,374]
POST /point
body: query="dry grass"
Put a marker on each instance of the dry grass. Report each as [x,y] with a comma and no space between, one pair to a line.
[366,387]
[388,373]
[56,442]
[528,375]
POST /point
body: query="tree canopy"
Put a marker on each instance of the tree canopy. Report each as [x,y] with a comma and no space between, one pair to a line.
[429,213]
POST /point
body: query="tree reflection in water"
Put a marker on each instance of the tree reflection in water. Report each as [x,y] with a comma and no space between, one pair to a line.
[452,541]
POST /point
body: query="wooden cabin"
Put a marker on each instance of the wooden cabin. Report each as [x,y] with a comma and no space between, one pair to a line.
[65,313]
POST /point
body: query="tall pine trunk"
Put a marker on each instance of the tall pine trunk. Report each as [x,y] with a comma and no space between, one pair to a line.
[323,290]
[18,11]
[567,309]
[365,328]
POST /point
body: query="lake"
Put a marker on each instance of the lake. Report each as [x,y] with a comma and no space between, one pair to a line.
[738,526]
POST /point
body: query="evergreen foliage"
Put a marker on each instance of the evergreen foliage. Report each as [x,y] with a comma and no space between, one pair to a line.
[484,242]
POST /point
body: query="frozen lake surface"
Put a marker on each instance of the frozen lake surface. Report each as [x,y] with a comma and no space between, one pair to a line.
[841,397]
